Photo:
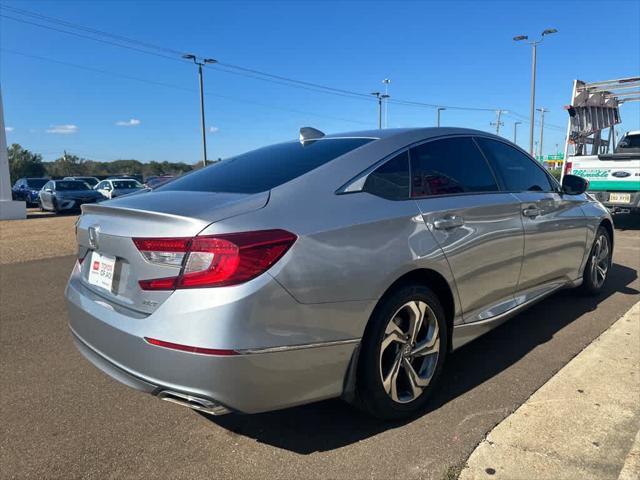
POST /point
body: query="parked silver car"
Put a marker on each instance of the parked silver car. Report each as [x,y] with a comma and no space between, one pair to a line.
[345,265]
[59,195]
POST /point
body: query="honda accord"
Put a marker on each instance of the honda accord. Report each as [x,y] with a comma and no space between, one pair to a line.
[347,265]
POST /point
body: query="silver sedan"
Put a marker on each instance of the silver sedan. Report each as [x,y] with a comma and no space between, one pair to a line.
[344,265]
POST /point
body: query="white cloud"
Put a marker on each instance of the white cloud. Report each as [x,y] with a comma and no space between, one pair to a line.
[8,129]
[132,122]
[213,129]
[62,129]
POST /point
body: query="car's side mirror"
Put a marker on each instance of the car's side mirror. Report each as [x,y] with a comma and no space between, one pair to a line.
[48,190]
[574,185]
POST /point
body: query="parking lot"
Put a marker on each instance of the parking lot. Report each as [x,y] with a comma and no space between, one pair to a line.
[65,419]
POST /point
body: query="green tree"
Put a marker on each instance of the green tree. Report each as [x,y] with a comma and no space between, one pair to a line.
[23,163]
[66,166]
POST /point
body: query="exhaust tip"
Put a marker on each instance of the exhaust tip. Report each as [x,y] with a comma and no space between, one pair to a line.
[194,403]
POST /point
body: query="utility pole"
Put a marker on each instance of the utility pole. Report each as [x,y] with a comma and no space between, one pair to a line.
[515,132]
[532,113]
[438,115]
[542,111]
[498,123]
[386,82]
[204,61]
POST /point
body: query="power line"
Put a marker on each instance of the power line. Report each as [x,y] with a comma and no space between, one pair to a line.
[221,66]
[178,87]
[59,21]
[90,38]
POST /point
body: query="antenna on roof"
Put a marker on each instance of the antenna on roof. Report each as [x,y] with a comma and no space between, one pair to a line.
[308,134]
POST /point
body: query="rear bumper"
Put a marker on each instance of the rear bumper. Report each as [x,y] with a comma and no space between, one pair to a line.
[256,380]
[604,197]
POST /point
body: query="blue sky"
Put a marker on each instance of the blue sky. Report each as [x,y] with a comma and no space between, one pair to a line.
[451,53]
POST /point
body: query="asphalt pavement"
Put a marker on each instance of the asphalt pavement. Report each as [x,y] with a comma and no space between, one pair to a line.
[62,418]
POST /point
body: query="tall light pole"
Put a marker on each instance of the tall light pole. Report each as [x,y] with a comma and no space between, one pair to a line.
[515,131]
[380,97]
[438,115]
[386,83]
[534,45]
[542,111]
[204,61]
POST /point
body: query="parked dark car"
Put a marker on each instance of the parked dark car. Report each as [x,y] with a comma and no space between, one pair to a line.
[59,195]
[91,181]
[27,189]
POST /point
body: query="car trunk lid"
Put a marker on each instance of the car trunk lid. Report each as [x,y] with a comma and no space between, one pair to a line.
[106,231]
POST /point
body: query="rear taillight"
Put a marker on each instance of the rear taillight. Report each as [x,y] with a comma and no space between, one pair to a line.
[568,166]
[214,261]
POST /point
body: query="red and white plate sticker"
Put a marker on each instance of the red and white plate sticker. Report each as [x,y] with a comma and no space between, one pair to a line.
[101,270]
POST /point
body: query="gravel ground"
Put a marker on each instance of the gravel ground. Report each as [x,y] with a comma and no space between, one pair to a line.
[41,235]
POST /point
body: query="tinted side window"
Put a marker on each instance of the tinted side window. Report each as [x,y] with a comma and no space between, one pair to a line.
[390,180]
[449,166]
[518,172]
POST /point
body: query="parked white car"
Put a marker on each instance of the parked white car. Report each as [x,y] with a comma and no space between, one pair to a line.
[116,187]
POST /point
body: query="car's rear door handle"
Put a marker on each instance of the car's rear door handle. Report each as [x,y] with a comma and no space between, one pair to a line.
[531,212]
[448,222]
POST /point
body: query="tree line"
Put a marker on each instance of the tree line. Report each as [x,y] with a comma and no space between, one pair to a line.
[24,163]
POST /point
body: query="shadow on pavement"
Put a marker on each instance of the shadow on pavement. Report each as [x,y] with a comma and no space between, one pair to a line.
[333,424]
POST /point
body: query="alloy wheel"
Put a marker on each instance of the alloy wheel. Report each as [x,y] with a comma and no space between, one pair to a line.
[600,261]
[409,351]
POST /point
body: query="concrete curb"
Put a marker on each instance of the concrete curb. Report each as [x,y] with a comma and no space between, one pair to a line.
[580,424]
[631,468]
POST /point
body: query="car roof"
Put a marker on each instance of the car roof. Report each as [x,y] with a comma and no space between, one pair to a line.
[424,132]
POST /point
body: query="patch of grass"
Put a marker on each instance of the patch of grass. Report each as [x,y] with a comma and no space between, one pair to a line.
[453,471]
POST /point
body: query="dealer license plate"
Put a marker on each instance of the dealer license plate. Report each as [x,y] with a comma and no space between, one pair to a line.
[101,270]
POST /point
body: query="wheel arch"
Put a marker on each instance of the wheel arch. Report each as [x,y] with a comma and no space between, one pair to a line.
[421,276]
[606,223]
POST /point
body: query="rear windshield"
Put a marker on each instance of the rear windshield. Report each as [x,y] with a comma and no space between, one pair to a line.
[68,185]
[265,168]
[92,182]
[36,182]
[125,184]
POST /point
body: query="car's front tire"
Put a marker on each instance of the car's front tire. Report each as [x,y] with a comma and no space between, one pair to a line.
[597,269]
[402,354]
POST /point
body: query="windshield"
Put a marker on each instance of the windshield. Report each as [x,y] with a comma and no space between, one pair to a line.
[36,183]
[92,182]
[69,185]
[125,184]
[630,141]
[265,168]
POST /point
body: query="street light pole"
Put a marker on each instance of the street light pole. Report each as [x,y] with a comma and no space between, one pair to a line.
[534,51]
[542,111]
[200,64]
[438,115]
[515,131]
[532,113]
[380,97]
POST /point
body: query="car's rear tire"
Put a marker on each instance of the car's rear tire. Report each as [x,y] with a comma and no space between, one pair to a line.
[599,263]
[402,353]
